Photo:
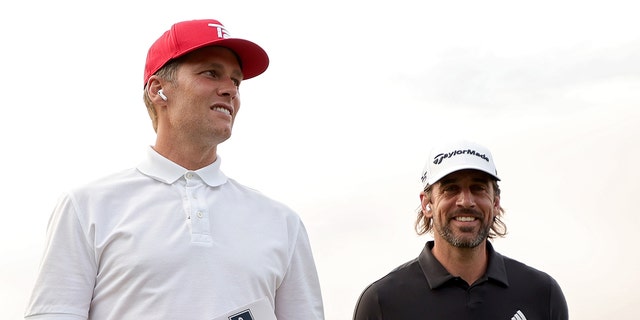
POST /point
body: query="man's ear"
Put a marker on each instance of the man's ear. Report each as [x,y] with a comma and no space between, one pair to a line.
[425,204]
[154,85]
[496,207]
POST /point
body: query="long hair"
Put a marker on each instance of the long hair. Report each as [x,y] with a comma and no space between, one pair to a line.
[424,224]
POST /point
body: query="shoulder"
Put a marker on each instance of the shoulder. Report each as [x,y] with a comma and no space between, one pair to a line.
[98,195]
[110,181]
[408,274]
[520,273]
[268,215]
[257,197]
[406,278]
[106,186]
[515,267]
[539,286]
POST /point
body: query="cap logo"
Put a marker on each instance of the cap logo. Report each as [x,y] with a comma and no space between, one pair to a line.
[222,31]
[438,159]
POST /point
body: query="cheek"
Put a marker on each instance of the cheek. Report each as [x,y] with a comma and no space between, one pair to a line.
[442,207]
[236,106]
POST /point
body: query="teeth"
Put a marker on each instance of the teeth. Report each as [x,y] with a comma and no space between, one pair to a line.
[221,110]
[465,219]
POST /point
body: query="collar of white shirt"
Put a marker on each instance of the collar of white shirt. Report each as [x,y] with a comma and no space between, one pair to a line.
[164,170]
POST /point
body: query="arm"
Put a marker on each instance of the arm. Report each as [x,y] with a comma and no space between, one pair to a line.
[299,296]
[367,307]
[64,285]
[557,303]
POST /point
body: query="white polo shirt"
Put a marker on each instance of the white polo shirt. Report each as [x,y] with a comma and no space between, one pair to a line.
[163,242]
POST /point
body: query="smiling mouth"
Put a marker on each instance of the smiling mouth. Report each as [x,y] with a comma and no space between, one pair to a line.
[465,219]
[221,109]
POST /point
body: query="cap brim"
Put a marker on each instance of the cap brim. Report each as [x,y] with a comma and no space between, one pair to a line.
[459,168]
[253,58]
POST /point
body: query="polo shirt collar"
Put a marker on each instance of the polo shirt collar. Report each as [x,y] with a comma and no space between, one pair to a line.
[164,170]
[437,275]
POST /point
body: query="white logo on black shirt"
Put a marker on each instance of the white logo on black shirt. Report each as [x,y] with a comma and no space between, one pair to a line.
[519,316]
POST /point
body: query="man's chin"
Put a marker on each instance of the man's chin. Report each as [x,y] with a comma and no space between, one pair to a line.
[467,241]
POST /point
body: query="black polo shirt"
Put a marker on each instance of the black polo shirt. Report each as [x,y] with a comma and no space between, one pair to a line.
[423,289]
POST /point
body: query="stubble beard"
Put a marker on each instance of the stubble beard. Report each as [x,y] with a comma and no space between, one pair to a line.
[463,241]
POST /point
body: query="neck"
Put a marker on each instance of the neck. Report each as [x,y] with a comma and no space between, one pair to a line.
[467,263]
[187,156]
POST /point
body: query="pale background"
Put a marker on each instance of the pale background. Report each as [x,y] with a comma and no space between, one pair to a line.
[340,124]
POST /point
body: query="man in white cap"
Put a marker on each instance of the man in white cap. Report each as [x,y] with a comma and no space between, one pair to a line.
[174,237]
[459,275]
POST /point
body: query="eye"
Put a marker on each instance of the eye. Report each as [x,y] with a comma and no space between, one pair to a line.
[450,188]
[478,188]
[214,74]
[211,73]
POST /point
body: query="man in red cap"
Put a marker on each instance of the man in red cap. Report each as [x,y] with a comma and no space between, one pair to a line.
[174,237]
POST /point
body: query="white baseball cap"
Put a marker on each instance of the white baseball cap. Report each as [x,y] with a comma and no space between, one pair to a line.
[455,156]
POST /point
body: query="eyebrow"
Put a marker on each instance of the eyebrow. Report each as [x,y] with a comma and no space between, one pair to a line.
[482,180]
[447,181]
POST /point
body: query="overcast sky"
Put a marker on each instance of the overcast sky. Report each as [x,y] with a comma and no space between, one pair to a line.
[340,125]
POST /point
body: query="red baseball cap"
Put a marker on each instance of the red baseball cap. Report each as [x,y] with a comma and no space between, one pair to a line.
[187,36]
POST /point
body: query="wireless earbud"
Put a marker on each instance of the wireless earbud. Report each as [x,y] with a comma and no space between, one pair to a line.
[428,207]
[161,94]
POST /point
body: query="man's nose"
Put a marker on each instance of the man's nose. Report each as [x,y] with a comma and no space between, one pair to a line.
[228,87]
[466,199]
